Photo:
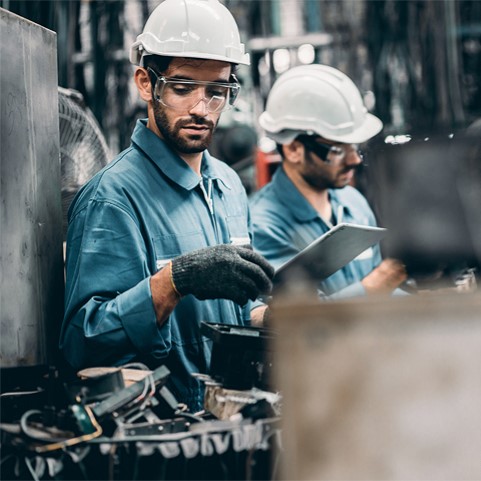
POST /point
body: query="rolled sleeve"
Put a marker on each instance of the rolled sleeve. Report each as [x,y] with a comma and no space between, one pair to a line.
[137,314]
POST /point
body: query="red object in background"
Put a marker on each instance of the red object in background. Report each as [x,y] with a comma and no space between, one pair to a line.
[266,165]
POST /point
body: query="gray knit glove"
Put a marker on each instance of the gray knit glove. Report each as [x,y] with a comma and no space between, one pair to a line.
[224,271]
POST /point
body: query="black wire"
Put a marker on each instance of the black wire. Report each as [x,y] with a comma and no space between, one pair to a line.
[225,469]
[193,417]
[163,469]
[135,471]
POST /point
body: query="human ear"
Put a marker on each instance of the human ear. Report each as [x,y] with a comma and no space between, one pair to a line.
[294,152]
[144,86]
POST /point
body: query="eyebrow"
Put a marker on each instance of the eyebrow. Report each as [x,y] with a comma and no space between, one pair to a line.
[177,77]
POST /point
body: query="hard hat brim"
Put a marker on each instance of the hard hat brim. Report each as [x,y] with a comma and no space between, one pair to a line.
[244,60]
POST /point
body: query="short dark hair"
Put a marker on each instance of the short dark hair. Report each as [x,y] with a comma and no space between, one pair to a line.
[280,150]
[158,64]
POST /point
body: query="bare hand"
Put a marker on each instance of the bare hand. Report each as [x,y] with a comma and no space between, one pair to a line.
[385,277]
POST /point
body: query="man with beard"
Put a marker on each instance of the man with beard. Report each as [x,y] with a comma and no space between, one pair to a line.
[159,240]
[317,117]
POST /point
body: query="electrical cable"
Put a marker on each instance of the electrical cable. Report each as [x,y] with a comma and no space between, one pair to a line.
[73,441]
[30,468]
[28,431]
[193,417]
[135,365]
[21,393]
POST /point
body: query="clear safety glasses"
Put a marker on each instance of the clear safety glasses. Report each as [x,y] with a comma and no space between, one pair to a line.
[182,94]
[332,154]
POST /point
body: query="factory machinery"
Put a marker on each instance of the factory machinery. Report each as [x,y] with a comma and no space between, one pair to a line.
[124,423]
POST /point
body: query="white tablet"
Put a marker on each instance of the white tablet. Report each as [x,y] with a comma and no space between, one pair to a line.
[332,251]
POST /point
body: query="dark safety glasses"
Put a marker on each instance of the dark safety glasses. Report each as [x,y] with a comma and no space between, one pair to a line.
[329,153]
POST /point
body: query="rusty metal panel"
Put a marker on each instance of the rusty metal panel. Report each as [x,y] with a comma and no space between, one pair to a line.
[30,211]
[380,389]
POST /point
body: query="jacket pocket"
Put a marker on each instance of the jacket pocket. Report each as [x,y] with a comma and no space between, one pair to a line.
[238,232]
[169,246]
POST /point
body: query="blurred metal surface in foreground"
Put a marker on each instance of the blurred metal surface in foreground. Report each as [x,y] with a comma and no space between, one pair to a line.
[381,389]
[31,264]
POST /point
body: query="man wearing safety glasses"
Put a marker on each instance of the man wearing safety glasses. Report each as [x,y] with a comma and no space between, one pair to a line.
[159,240]
[317,117]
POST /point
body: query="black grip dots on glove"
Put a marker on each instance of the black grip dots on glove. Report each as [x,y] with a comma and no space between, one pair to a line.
[224,271]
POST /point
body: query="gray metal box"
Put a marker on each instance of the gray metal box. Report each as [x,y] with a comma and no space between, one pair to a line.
[31,262]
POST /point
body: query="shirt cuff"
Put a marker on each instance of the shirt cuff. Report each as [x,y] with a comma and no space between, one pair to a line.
[136,311]
[257,303]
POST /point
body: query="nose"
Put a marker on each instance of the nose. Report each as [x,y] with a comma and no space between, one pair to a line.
[353,157]
[200,108]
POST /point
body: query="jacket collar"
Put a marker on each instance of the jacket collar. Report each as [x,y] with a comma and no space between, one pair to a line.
[169,162]
[296,203]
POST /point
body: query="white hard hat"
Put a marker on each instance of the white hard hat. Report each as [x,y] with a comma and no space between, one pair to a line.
[317,99]
[202,29]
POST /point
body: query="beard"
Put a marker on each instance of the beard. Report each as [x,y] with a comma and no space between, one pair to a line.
[320,178]
[315,175]
[194,144]
[318,183]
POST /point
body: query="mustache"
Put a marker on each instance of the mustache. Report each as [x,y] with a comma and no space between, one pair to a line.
[194,120]
[355,168]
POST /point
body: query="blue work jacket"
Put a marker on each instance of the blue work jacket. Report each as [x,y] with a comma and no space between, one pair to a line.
[284,223]
[143,209]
